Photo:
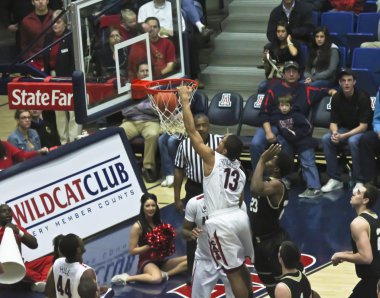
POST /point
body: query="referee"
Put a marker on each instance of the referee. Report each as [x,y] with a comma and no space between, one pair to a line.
[189,164]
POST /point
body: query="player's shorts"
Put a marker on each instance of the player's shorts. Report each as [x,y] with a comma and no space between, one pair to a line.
[229,236]
[266,257]
[205,277]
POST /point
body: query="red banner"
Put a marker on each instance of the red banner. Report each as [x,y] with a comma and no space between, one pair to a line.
[53,96]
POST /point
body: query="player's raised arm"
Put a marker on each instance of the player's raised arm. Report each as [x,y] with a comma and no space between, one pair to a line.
[206,153]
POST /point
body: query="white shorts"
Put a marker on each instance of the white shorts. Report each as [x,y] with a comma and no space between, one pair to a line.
[230,238]
[205,277]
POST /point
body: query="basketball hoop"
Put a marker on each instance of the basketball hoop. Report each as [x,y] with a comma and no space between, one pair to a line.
[163,95]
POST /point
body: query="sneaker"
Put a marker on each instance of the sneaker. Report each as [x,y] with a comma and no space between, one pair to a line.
[170,180]
[149,175]
[206,32]
[38,287]
[331,185]
[164,276]
[164,182]
[356,187]
[310,193]
[120,279]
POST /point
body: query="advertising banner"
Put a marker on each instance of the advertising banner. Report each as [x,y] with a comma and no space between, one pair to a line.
[83,188]
[53,96]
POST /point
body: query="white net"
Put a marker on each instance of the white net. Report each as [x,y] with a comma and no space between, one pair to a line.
[164,98]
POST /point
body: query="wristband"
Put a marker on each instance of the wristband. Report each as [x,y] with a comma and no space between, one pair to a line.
[290,44]
[21,233]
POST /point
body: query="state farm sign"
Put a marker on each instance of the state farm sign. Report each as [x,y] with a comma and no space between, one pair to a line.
[40,96]
[53,96]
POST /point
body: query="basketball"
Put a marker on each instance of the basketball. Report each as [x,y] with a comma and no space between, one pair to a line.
[166,102]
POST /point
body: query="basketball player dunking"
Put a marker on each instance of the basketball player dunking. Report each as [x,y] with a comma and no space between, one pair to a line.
[223,186]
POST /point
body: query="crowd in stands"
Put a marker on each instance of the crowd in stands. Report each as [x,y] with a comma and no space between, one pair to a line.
[294,85]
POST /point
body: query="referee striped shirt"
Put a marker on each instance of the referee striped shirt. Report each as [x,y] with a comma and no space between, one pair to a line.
[190,161]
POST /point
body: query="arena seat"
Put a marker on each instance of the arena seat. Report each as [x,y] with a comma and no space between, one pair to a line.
[225,109]
[339,24]
[199,104]
[366,66]
[250,118]
[366,30]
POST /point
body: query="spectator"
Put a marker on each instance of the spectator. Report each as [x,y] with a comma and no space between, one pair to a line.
[369,147]
[31,27]
[76,272]
[269,199]
[190,165]
[373,44]
[364,232]
[150,269]
[47,131]
[129,27]
[24,137]
[13,11]
[162,51]
[193,14]
[160,9]
[304,98]
[168,145]
[36,270]
[297,15]
[282,49]
[297,131]
[141,119]
[9,154]
[355,6]
[59,62]
[293,283]
[104,58]
[351,115]
[322,61]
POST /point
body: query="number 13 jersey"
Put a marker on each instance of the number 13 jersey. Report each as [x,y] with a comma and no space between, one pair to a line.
[224,186]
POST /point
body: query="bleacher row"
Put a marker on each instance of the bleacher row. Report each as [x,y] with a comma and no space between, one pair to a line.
[348,32]
[229,109]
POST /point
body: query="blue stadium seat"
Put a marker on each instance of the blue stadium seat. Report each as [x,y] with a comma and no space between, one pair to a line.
[342,57]
[316,18]
[339,24]
[225,109]
[249,119]
[370,6]
[366,66]
[199,104]
[366,30]
[368,23]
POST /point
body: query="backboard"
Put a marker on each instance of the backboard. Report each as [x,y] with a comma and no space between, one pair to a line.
[94,49]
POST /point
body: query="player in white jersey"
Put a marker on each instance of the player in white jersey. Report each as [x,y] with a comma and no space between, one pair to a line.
[69,272]
[205,274]
[223,184]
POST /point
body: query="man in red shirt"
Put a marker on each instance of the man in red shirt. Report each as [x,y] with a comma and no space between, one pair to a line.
[36,270]
[162,51]
[32,26]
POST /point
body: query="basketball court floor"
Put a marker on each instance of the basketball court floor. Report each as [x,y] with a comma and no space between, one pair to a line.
[319,226]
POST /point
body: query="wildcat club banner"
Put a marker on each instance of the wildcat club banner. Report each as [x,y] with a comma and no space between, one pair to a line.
[83,188]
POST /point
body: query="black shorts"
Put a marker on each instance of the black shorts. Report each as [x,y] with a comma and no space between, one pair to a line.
[266,257]
[366,288]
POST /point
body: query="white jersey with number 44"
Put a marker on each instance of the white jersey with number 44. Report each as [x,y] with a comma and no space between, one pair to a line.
[67,277]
